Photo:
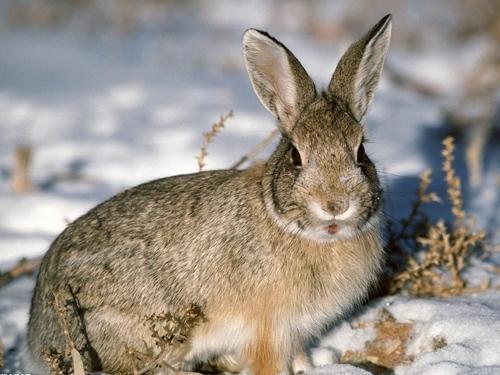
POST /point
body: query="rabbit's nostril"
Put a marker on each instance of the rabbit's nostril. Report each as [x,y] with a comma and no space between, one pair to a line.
[337,207]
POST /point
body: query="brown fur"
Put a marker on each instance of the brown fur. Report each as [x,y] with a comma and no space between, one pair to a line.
[250,247]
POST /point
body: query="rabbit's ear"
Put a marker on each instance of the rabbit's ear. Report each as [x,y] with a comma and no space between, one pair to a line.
[278,78]
[358,72]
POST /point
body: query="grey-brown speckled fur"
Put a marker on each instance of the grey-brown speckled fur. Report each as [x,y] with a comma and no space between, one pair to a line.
[247,246]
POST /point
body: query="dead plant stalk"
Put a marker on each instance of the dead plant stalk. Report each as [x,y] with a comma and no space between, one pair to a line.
[446,249]
[208,138]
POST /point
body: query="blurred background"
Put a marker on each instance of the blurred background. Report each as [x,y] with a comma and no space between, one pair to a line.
[97,96]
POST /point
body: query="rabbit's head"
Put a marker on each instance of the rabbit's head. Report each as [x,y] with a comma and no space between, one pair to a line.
[319,182]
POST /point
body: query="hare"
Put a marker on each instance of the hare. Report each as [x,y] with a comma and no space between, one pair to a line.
[271,254]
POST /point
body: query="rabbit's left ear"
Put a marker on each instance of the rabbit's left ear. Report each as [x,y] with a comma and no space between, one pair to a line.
[278,78]
[357,74]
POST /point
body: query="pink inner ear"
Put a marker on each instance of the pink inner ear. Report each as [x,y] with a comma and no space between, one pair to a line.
[269,65]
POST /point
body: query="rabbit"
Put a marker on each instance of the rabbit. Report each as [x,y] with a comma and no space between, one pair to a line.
[271,254]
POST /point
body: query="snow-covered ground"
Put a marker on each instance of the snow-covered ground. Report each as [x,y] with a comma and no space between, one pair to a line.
[117,110]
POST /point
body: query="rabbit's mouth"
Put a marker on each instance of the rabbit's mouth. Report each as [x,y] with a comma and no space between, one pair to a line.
[329,231]
[338,229]
[333,228]
[324,226]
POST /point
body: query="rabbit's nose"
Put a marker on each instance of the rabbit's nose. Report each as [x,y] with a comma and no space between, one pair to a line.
[338,206]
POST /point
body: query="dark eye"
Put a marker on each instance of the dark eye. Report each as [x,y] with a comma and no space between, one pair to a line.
[361,156]
[295,156]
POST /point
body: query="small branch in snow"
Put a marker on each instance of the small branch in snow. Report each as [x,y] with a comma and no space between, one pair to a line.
[445,249]
[256,149]
[25,267]
[208,138]
[21,179]
[1,354]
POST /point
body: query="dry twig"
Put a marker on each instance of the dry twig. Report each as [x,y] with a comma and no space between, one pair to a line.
[437,270]
[453,182]
[60,362]
[169,330]
[22,268]
[208,138]
[1,354]
[69,360]
[21,179]
[407,229]
[388,349]
[57,361]
[256,149]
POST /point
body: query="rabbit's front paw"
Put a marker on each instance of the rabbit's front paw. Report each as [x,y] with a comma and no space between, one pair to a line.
[301,364]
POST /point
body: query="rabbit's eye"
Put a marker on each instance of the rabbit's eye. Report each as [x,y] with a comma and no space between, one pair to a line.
[361,156]
[296,159]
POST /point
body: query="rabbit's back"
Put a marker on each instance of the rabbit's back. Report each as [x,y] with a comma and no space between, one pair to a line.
[159,229]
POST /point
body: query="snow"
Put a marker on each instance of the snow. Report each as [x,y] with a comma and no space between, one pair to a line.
[119,110]
[340,369]
[470,326]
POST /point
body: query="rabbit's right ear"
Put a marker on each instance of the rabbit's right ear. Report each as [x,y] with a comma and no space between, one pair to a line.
[277,77]
[358,71]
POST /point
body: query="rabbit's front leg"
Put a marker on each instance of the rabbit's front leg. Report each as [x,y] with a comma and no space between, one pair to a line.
[267,356]
[301,363]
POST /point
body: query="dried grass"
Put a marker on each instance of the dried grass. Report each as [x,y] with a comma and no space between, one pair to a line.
[387,350]
[1,354]
[21,178]
[248,156]
[25,267]
[60,360]
[438,342]
[208,138]
[253,152]
[437,270]
[169,330]
[68,360]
